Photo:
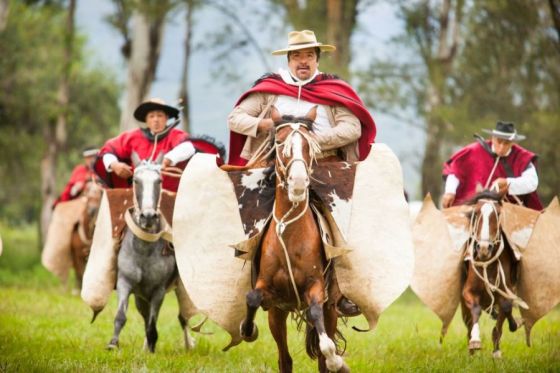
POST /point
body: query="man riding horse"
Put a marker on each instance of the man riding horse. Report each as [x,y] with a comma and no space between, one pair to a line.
[498,162]
[79,177]
[344,129]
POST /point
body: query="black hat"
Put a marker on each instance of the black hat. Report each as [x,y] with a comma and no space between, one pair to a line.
[154,104]
[505,130]
[90,151]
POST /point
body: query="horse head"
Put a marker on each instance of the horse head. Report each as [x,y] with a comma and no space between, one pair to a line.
[485,228]
[147,191]
[295,152]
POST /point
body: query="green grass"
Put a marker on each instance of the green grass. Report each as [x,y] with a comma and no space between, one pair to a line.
[45,329]
[48,330]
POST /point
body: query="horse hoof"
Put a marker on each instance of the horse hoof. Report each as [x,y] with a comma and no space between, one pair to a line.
[344,368]
[112,346]
[518,324]
[497,354]
[474,345]
[254,333]
[335,364]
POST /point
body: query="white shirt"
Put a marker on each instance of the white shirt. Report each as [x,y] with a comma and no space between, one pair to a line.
[180,153]
[526,183]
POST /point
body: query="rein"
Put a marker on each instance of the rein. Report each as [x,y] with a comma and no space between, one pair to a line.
[164,232]
[282,223]
[490,287]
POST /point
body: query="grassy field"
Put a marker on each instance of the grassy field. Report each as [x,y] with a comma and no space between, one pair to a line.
[43,328]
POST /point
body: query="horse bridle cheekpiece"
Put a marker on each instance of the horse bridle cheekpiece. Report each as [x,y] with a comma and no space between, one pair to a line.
[314,148]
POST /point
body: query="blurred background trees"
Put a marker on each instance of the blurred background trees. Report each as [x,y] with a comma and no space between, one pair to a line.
[455,67]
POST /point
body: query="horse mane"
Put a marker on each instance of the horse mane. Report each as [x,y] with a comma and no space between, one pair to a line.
[485,194]
[294,119]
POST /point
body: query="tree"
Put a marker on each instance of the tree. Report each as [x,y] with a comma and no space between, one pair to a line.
[4,12]
[184,88]
[142,25]
[333,21]
[30,78]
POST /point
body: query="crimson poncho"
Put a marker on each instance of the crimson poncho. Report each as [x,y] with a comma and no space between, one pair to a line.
[142,142]
[323,90]
[80,174]
[472,165]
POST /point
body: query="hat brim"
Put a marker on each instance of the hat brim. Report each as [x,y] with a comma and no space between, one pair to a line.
[505,136]
[144,108]
[322,47]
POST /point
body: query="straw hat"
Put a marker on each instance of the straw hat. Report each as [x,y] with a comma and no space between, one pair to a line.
[505,130]
[154,104]
[301,40]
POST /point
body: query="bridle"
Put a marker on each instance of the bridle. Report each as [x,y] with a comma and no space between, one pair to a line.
[282,171]
[132,218]
[496,241]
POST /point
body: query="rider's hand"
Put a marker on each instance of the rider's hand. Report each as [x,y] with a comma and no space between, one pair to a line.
[166,163]
[265,125]
[447,200]
[121,169]
[501,184]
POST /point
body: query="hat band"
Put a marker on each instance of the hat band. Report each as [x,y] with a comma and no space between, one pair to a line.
[90,153]
[510,135]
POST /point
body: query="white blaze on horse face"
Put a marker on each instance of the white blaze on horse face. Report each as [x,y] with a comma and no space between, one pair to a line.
[148,202]
[298,180]
[485,211]
[475,333]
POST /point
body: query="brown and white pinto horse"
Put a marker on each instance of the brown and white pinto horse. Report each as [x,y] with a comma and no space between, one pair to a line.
[82,234]
[491,272]
[292,264]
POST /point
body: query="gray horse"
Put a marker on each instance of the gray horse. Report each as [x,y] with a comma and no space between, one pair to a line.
[142,268]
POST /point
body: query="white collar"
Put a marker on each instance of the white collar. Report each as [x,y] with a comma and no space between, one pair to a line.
[288,78]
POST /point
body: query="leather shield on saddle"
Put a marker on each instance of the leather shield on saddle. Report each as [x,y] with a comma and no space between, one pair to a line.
[440,239]
[56,255]
[100,275]
[366,231]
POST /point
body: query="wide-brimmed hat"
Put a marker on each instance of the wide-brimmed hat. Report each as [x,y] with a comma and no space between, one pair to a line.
[301,40]
[90,151]
[505,130]
[154,104]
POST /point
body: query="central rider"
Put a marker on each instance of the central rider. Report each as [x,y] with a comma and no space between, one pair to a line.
[344,129]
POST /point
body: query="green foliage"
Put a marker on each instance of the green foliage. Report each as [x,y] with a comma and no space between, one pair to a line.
[30,71]
[507,68]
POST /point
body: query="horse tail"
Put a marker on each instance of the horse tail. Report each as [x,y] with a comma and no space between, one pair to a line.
[311,341]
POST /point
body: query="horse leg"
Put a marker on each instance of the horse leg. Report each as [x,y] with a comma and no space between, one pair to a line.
[151,327]
[123,292]
[144,308]
[331,318]
[332,361]
[472,302]
[277,323]
[249,330]
[497,330]
[182,299]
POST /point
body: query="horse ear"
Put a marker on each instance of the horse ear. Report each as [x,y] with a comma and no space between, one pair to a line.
[135,158]
[159,158]
[275,114]
[312,113]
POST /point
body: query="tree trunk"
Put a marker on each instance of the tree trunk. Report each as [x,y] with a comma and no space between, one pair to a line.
[439,67]
[555,14]
[55,135]
[4,12]
[184,90]
[333,22]
[147,35]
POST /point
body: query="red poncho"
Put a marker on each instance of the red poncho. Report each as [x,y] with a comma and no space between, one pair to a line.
[141,142]
[80,174]
[472,165]
[323,90]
